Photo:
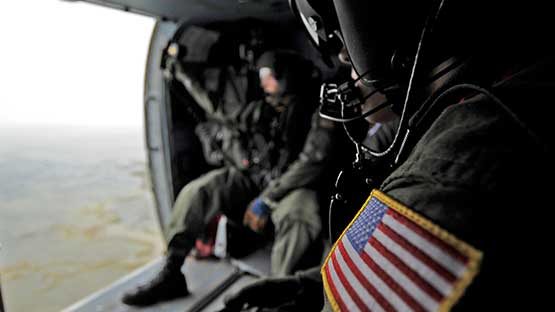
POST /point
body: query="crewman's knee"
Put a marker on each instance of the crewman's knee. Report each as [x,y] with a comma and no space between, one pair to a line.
[194,194]
[299,208]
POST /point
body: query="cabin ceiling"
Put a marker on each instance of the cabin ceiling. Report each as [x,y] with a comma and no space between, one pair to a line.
[204,10]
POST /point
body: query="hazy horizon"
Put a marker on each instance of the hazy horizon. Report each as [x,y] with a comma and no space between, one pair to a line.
[65,67]
[76,207]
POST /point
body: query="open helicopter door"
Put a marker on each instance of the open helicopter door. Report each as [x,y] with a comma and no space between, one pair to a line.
[209,280]
[157,123]
[158,115]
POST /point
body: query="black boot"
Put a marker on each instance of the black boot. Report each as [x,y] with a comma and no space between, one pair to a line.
[167,285]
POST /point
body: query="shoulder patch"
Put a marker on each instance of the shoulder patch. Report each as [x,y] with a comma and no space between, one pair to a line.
[392,259]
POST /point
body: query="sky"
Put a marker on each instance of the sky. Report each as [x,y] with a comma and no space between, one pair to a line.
[71,63]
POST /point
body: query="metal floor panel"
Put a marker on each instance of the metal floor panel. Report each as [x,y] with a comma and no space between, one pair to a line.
[202,277]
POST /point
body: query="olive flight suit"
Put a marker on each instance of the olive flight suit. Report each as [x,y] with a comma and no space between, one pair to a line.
[284,176]
[484,175]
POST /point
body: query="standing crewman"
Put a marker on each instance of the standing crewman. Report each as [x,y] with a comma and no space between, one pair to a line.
[460,222]
[276,129]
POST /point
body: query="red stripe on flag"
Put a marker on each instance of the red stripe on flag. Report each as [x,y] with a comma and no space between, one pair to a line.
[346,284]
[334,291]
[428,236]
[364,281]
[409,273]
[417,253]
[398,289]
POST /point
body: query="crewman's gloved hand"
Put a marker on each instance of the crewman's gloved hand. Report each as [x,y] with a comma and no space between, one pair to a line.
[277,294]
[257,215]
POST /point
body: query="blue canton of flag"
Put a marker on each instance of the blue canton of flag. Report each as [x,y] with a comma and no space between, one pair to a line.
[366,223]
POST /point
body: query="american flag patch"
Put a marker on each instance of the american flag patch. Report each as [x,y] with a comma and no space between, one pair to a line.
[391,259]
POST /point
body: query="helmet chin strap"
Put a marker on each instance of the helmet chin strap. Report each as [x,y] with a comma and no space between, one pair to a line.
[398,144]
[349,97]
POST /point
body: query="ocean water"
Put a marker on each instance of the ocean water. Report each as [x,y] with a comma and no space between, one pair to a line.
[76,213]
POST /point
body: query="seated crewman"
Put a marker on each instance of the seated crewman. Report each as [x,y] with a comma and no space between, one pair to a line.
[273,186]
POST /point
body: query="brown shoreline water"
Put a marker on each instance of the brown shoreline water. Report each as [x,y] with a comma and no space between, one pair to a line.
[71,227]
[83,258]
